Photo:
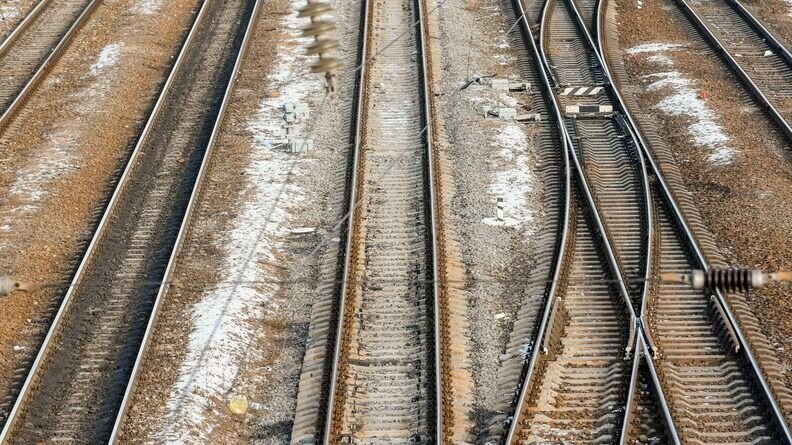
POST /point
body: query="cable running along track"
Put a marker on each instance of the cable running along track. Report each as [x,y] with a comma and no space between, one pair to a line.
[383,387]
[80,375]
[34,46]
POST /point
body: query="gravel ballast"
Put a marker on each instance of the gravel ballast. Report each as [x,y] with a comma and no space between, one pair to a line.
[743,197]
[62,154]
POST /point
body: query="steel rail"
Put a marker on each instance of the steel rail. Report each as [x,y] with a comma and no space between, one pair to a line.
[668,196]
[193,202]
[433,216]
[352,203]
[20,28]
[645,341]
[593,206]
[636,326]
[421,39]
[761,29]
[546,71]
[528,374]
[32,377]
[735,66]
[8,114]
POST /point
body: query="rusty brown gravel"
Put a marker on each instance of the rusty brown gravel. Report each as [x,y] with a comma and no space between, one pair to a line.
[88,121]
[746,204]
[200,257]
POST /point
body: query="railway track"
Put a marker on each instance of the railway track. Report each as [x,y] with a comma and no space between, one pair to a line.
[542,282]
[718,389]
[669,382]
[590,331]
[78,380]
[750,50]
[383,385]
[34,46]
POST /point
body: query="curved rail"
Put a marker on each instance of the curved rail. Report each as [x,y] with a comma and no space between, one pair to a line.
[195,196]
[551,304]
[336,399]
[606,245]
[774,74]
[36,25]
[57,332]
[679,219]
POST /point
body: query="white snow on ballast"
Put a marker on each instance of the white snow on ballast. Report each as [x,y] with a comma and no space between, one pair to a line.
[223,321]
[515,181]
[147,7]
[60,156]
[9,10]
[108,57]
[683,99]
[654,48]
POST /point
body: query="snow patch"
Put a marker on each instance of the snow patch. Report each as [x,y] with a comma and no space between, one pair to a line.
[55,161]
[682,99]
[147,7]
[9,10]
[222,333]
[660,59]
[515,182]
[654,48]
[108,57]
[60,156]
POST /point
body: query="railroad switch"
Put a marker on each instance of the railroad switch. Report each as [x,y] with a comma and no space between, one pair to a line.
[726,279]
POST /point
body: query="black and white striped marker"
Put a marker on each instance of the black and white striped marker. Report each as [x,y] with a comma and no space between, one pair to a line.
[581,91]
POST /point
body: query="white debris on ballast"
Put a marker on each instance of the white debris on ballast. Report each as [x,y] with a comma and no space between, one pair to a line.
[515,181]
[55,161]
[683,99]
[9,10]
[107,57]
[147,7]
[654,48]
[11,14]
[224,329]
[59,157]
[660,59]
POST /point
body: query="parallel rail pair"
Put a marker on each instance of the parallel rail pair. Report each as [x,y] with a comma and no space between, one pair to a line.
[385,382]
[751,51]
[33,47]
[81,381]
[667,360]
